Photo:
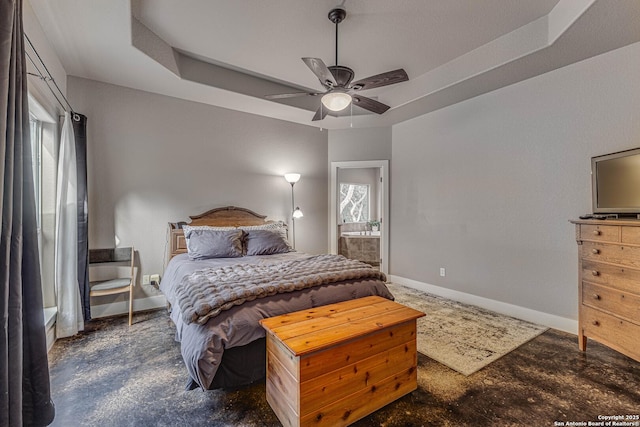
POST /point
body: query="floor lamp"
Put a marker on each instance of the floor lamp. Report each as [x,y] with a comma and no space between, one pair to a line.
[292,178]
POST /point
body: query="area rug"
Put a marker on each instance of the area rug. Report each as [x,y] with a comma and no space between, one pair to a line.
[463,337]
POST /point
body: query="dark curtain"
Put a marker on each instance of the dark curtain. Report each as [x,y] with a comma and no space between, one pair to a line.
[24,373]
[80,131]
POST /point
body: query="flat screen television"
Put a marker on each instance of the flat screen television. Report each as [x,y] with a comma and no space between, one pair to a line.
[615,183]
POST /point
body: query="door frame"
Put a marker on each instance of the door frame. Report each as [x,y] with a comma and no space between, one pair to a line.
[333,205]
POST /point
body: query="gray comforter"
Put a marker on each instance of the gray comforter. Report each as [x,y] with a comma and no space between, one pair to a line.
[203,345]
[208,292]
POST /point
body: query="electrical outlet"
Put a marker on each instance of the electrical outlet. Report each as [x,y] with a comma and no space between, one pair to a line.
[442,272]
[155,278]
[145,279]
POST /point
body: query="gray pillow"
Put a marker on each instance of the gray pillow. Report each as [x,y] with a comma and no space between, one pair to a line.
[203,244]
[265,242]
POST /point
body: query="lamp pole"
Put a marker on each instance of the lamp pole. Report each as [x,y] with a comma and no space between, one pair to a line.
[292,178]
[293,218]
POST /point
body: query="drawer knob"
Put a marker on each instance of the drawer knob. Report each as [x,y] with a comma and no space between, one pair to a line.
[595,273]
[595,323]
[596,296]
[596,232]
[595,251]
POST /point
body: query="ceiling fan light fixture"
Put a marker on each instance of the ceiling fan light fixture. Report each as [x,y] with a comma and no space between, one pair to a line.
[336,101]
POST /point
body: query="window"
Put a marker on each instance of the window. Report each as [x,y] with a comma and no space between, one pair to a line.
[36,162]
[43,132]
[354,202]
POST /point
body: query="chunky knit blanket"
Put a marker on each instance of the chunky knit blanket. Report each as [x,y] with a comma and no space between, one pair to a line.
[206,293]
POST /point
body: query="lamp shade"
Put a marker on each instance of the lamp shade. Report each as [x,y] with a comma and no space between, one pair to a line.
[336,101]
[292,178]
[297,213]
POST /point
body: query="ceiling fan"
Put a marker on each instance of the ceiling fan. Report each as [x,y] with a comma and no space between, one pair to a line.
[340,91]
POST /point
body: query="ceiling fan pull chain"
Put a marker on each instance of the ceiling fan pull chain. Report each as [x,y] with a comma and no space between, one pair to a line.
[351,114]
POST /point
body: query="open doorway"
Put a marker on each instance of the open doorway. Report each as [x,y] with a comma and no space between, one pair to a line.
[359,211]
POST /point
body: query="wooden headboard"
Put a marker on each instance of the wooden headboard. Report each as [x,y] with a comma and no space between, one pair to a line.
[228,216]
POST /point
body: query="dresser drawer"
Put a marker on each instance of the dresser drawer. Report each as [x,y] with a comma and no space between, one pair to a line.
[622,278]
[623,304]
[604,233]
[615,254]
[630,235]
[616,333]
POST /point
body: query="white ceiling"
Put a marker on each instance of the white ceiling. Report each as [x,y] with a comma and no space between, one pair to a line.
[232,53]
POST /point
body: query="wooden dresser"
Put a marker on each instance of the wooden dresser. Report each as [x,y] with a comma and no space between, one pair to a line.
[609,284]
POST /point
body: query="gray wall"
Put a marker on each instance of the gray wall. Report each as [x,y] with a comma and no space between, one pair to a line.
[153,159]
[360,144]
[486,187]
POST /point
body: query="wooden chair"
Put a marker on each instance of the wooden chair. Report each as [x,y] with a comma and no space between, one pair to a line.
[107,275]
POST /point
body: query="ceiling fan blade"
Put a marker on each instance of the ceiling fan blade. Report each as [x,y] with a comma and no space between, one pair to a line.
[321,113]
[321,71]
[369,104]
[290,95]
[384,79]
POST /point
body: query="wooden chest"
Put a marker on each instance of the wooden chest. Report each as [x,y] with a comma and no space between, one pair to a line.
[609,284]
[332,365]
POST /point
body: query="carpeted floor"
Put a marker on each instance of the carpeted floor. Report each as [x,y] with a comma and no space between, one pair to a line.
[463,337]
[113,375]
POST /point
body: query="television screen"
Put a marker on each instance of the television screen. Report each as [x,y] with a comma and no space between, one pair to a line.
[616,182]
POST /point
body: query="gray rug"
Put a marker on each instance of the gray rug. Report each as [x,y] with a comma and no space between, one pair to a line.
[463,337]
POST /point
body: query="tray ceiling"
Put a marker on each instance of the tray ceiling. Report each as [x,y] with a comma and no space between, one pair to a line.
[232,53]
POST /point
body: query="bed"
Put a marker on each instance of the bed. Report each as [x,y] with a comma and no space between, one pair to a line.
[217,301]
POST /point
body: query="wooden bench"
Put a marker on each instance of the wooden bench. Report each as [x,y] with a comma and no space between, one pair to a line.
[335,364]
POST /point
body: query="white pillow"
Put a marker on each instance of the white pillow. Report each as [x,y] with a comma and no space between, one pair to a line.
[277,227]
[187,228]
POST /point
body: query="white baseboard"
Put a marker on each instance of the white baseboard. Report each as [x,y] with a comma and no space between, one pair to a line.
[122,307]
[102,310]
[534,316]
